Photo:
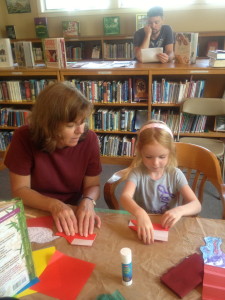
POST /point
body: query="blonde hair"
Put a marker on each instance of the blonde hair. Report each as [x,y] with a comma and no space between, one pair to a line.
[58,103]
[149,135]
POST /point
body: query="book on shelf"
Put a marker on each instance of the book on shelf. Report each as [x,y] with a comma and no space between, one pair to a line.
[10,31]
[24,54]
[55,52]
[186,44]
[6,58]
[111,25]
[71,29]
[141,117]
[212,46]
[216,54]
[41,27]
[216,63]
[140,89]
[16,264]
[141,21]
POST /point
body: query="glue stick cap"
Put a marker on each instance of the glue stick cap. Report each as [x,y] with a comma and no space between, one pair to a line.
[126,255]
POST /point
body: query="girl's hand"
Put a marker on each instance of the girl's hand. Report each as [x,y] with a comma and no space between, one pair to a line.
[87,217]
[145,228]
[170,217]
[64,218]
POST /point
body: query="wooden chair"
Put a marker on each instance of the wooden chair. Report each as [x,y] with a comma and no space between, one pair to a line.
[204,107]
[199,165]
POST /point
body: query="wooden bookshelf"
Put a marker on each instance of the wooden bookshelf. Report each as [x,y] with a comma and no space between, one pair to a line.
[214,79]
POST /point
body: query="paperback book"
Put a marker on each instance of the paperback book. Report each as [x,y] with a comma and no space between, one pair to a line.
[10,31]
[216,54]
[6,58]
[55,52]
[24,54]
[186,44]
[70,29]
[111,25]
[16,263]
[216,63]
[41,27]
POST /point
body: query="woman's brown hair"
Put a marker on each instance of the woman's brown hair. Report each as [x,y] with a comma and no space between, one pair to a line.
[58,103]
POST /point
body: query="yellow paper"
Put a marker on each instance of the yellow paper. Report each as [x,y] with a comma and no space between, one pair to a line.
[41,258]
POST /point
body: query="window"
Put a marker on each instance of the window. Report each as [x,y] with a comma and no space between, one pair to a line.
[68,5]
[145,4]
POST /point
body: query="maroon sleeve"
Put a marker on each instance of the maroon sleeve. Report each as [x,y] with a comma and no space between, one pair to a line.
[94,167]
[19,158]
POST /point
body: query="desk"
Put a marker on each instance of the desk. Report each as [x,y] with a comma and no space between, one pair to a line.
[149,262]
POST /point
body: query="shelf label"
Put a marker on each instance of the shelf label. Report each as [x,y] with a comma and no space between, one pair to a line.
[199,71]
[104,72]
[17,73]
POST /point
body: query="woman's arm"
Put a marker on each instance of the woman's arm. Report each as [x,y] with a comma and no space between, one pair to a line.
[85,211]
[62,214]
[144,224]
[191,207]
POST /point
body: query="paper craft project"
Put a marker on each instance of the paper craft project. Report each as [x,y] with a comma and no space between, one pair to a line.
[64,277]
[77,239]
[41,258]
[150,54]
[160,233]
[40,229]
[214,269]
[185,276]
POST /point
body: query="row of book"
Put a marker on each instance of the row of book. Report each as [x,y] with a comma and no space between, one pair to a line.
[119,50]
[170,117]
[5,139]
[174,92]
[216,58]
[116,91]
[115,145]
[13,117]
[124,119]
[73,53]
[192,123]
[54,53]
[22,90]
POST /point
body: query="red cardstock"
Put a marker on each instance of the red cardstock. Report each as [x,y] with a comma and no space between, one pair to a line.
[64,277]
[46,222]
[77,239]
[213,283]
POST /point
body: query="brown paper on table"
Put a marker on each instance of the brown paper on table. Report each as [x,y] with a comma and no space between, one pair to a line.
[149,261]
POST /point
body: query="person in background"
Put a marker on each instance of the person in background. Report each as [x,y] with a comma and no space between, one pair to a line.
[154,184]
[155,35]
[54,161]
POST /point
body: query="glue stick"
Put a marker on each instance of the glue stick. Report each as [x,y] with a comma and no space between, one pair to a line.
[126,259]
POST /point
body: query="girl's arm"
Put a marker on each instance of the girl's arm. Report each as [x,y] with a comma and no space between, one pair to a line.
[191,207]
[85,211]
[144,224]
[62,214]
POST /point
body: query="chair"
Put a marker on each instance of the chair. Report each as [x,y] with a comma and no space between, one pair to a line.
[199,165]
[204,107]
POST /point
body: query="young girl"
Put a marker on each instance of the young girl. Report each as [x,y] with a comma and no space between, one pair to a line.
[154,182]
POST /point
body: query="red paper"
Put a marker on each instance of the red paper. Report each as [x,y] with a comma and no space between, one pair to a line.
[46,221]
[64,277]
[213,283]
[77,239]
[160,233]
[185,276]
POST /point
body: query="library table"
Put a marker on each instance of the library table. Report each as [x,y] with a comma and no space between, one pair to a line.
[149,261]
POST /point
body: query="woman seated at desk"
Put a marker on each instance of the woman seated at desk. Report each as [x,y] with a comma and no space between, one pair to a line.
[54,161]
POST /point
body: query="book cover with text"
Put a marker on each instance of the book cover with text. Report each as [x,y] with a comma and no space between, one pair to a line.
[186,44]
[70,29]
[6,58]
[55,52]
[41,27]
[111,25]
[10,31]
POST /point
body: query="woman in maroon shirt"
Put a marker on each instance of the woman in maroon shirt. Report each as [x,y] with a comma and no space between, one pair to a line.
[54,161]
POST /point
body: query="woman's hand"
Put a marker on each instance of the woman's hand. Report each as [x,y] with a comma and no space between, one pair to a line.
[87,217]
[64,217]
[145,228]
[170,217]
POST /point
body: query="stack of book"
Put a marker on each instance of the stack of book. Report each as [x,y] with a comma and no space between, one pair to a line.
[216,58]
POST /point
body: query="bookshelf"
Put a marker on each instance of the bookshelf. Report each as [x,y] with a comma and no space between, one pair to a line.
[18,90]
[94,73]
